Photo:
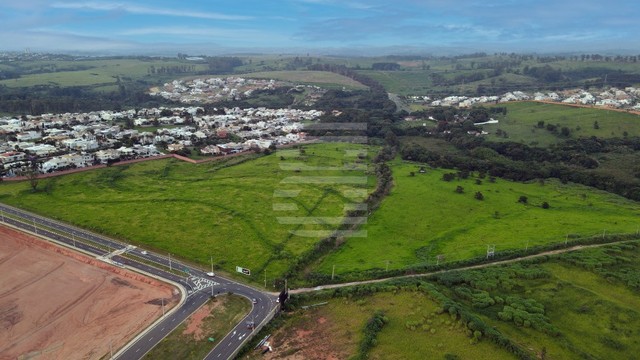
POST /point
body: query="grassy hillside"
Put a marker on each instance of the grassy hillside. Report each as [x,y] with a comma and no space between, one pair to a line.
[424,217]
[578,305]
[253,214]
[98,73]
[335,331]
[319,78]
[521,123]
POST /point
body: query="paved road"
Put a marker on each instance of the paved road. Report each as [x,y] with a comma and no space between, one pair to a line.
[198,285]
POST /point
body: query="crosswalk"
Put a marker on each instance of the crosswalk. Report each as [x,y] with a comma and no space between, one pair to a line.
[117,252]
[200,283]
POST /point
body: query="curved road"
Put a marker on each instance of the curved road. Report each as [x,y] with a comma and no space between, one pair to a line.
[199,286]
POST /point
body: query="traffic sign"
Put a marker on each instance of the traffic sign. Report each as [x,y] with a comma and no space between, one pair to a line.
[243,270]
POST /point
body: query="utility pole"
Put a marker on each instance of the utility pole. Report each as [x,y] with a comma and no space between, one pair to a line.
[265,278]
[333,271]
[73,238]
[387,266]
[212,263]
[170,269]
[35,229]
[162,306]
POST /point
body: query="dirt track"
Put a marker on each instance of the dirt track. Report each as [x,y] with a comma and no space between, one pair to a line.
[470,267]
[57,304]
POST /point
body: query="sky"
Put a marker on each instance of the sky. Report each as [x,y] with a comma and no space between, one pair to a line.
[365,27]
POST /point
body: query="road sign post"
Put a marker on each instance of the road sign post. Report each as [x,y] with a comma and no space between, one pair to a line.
[243,270]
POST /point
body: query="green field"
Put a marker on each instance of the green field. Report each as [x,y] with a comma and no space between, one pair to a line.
[579,305]
[583,304]
[522,119]
[335,330]
[424,217]
[243,215]
[228,311]
[320,78]
[102,74]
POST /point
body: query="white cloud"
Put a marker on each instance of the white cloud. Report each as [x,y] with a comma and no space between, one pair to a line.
[211,33]
[144,10]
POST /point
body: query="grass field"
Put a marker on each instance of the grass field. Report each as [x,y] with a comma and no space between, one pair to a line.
[335,330]
[424,217]
[410,82]
[259,214]
[98,72]
[320,78]
[583,304]
[522,118]
[590,297]
[226,311]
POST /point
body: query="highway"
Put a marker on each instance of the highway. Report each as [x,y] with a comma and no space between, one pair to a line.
[198,285]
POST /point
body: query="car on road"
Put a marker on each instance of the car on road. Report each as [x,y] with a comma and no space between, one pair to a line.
[254,300]
[211,274]
[144,252]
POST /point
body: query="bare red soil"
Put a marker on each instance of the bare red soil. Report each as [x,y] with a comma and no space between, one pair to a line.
[59,304]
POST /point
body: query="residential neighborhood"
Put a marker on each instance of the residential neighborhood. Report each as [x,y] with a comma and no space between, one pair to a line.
[212,90]
[627,98]
[56,142]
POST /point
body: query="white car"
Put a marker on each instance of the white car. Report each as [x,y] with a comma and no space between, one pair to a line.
[144,252]
[210,274]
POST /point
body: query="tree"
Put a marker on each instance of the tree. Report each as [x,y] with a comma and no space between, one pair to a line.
[478,196]
[391,138]
[545,205]
[523,199]
[33,172]
[459,189]
[448,176]
[596,125]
